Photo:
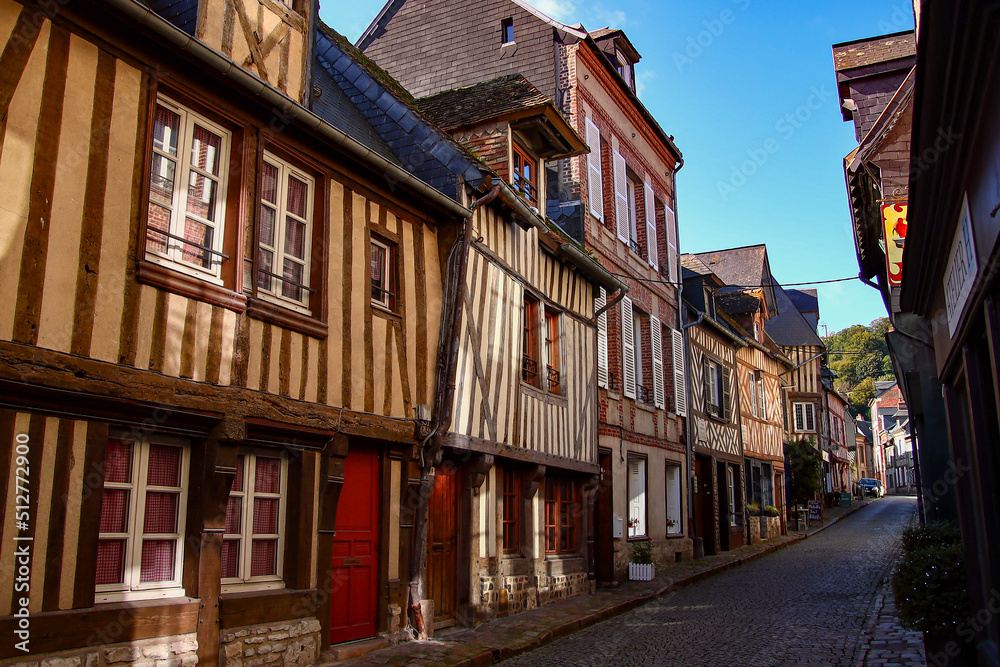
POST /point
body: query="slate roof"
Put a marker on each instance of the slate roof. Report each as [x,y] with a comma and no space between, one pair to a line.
[738,302]
[738,267]
[484,101]
[695,265]
[805,300]
[859,53]
[882,386]
[788,327]
[396,130]
[865,428]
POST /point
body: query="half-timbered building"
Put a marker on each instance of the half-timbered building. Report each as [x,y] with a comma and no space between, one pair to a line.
[618,199]
[718,504]
[747,302]
[226,244]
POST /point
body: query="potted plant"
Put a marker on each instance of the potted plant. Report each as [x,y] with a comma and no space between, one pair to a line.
[753,523]
[640,567]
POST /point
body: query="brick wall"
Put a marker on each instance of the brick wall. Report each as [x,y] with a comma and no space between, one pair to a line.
[435,45]
[489,144]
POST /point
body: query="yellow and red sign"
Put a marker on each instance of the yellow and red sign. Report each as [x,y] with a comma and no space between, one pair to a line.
[894,233]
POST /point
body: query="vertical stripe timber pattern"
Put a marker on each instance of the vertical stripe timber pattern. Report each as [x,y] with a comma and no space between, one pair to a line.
[67,233]
[490,402]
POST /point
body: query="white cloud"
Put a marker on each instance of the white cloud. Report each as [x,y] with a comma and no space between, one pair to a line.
[642,76]
[611,18]
[563,10]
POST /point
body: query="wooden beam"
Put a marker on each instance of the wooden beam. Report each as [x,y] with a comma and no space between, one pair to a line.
[478,445]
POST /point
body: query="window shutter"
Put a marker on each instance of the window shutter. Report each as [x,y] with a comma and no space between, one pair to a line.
[671,232]
[595,191]
[600,301]
[628,350]
[621,197]
[727,402]
[674,498]
[637,498]
[652,247]
[656,345]
[706,376]
[680,389]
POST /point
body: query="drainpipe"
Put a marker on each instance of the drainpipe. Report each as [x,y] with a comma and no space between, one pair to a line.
[444,395]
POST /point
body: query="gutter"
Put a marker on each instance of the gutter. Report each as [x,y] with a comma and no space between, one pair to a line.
[283,106]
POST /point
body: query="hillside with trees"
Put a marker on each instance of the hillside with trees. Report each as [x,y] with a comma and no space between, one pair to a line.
[859,357]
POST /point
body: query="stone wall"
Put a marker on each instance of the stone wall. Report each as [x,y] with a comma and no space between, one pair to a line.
[552,588]
[519,595]
[175,651]
[289,644]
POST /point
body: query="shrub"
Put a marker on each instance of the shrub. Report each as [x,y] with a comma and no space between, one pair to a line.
[642,552]
[771,510]
[930,580]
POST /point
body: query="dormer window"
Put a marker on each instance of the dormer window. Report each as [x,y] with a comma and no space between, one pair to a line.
[624,67]
[524,174]
[507,31]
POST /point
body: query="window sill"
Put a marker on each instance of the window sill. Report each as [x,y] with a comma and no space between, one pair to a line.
[265,311]
[543,394]
[381,309]
[638,538]
[646,407]
[161,277]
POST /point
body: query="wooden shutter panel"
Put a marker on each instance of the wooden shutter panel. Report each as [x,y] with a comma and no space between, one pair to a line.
[674,497]
[637,496]
[628,350]
[600,301]
[621,197]
[680,388]
[706,377]
[727,394]
[652,247]
[671,232]
[595,189]
[656,345]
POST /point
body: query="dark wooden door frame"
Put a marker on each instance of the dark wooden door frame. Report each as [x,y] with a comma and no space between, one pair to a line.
[604,520]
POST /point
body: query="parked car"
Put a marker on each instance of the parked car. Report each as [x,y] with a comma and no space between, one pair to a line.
[872,487]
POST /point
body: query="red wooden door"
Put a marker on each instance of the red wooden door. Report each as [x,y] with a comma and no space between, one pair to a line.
[442,545]
[354,594]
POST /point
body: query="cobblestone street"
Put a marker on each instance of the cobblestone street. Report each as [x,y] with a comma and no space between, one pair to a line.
[819,602]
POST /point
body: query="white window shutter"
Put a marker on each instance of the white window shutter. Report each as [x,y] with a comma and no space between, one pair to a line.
[602,338]
[652,247]
[628,350]
[680,389]
[656,346]
[674,498]
[671,242]
[595,191]
[621,197]
[637,497]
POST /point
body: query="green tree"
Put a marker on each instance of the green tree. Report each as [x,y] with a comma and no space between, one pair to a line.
[805,468]
[860,397]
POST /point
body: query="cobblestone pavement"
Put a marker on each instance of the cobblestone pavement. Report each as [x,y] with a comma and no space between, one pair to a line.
[812,603]
[887,642]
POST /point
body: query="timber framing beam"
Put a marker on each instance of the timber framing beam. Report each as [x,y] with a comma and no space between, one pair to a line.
[65,385]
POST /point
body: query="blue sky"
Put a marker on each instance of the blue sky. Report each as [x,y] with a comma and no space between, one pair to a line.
[747,88]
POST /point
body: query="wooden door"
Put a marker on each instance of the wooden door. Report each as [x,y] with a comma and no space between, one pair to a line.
[442,545]
[605,547]
[703,507]
[354,594]
[724,513]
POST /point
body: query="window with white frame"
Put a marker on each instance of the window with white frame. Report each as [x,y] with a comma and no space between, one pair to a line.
[187,191]
[674,519]
[752,384]
[382,274]
[285,233]
[636,496]
[139,548]
[731,479]
[253,544]
[805,417]
[761,400]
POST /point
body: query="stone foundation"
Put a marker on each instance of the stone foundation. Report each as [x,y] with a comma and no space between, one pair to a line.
[552,588]
[519,595]
[288,644]
[755,530]
[175,651]
[669,552]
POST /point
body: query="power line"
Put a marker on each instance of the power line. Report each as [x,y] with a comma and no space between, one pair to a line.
[775,284]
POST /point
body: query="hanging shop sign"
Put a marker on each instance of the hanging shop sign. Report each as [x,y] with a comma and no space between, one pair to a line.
[963,267]
[894,234]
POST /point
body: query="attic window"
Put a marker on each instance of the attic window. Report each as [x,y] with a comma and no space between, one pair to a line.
[507,31]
